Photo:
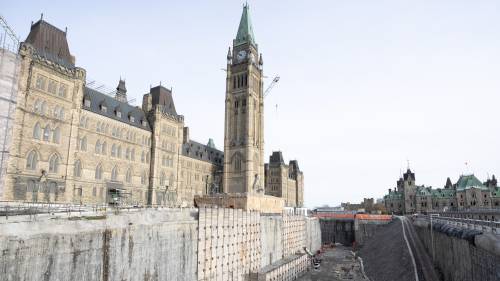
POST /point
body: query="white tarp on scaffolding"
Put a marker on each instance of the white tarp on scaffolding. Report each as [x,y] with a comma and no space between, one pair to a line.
[9,75]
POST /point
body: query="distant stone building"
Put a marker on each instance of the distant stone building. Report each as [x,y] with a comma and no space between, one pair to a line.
[71,142]
[286,181]
[467,193]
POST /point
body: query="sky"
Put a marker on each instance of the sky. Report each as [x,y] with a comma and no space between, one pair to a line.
[366,86]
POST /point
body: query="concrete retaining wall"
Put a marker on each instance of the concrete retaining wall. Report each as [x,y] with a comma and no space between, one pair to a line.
[151,245]
[459,259]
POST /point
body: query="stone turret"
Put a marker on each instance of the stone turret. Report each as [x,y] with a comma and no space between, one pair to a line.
[121,91]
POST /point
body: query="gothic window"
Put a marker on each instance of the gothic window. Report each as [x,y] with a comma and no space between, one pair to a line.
[98,147]
[113,150]
[127,154]
[132,154]
[237,162]
[144,177]
[83,144]
[128,176]
[62,90]
[37,131]
[32,160]
[54,163]
[98,172]
[78,169]
[104,148]
[56,135]
[40,82]
[114,173]
[143,157]
[147,157]
[162,179]
[43,108]
[36,106]
[119,151]
[46,133]
[52,86]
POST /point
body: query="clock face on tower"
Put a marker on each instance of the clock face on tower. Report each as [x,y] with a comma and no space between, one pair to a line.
[241,55]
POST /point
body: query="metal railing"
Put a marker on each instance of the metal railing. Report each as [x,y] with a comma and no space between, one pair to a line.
[485,225]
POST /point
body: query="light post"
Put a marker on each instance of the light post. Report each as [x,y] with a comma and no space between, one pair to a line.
[432,236]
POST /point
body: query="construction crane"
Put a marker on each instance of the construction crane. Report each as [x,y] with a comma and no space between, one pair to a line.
[269,88]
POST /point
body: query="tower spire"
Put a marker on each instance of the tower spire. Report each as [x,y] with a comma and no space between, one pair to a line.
[245,29]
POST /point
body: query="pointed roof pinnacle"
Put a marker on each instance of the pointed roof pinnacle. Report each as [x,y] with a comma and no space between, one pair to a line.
[245,29]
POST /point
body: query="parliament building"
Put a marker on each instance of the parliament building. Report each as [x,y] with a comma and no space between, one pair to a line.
[71,143]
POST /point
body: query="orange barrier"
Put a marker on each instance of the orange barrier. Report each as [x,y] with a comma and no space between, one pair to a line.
[374,217]
[355,216]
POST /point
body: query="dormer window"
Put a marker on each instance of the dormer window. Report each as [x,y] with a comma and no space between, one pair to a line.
[86,102]
[104,108]
[118,113]
[144,123]
[131,118]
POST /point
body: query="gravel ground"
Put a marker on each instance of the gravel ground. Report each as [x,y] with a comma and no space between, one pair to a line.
[385,255]
[338,264]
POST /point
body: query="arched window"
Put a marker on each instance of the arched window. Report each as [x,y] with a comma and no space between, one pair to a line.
[46,133]
[132,154]
[56,135]
[37,106]
[162,179]
[144,177]
[128,176]
[104,148]
[56,112]
[61,113]
[83,144]
[54,163]
[43,108]
[78,169]
[236,162]
[98,172]
[119,151]
[127,154]
[32,160]
[98,147]
[113,150]
[143,157]
[37,131]
[114,173]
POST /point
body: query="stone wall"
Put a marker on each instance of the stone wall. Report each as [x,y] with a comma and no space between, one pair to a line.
[459,259]
[364,229]
[9,71]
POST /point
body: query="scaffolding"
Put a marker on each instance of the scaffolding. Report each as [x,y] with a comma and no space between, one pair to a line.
[9,78]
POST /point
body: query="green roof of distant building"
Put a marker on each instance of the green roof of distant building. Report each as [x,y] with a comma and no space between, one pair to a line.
[469,181]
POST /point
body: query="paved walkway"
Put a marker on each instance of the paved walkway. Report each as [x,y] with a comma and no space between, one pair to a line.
[338,264]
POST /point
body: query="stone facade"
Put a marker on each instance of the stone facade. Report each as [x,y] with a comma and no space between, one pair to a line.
[467,193]
[73,143]
[286,181]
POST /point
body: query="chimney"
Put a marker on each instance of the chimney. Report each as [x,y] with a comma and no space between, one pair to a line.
[185,138]
[390,190]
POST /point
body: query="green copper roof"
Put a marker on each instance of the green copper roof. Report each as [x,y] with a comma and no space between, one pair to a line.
[469,181]
[245,30]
